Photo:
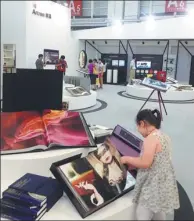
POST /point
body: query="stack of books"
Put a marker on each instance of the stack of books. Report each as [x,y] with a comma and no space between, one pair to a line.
[30,197]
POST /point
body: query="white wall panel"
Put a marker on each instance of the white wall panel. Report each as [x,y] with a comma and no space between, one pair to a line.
[172,28]
[131,9]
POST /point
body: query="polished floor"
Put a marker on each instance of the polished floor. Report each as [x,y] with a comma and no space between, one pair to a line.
[178,124]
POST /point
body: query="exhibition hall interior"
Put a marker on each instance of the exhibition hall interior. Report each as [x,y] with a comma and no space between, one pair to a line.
[85,86]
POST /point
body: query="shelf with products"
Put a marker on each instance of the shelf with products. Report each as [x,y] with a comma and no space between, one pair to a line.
[9,55]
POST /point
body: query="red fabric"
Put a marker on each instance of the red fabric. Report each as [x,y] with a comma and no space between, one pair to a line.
[161,76]
[61,66]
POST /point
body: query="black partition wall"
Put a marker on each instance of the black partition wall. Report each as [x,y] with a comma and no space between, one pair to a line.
[32,89]
[116,68]
[191,81]
[148,64]
[116,64]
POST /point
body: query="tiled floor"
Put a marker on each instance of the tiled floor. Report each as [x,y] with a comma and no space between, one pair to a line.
[179,124]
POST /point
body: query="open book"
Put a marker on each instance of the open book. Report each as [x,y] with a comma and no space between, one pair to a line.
[77,91]
[155,84]
[96,180]
[30,130]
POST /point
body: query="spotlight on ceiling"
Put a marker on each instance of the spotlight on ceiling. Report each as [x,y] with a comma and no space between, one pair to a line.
[186,42]
[106,42]
[93,42]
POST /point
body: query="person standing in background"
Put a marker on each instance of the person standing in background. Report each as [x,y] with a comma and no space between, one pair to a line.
[39,62]
[92,75]
[132,70]
[101,72]
[62,65]
[96,71]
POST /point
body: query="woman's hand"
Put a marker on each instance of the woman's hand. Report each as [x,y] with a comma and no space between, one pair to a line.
[87,186]
[125,160]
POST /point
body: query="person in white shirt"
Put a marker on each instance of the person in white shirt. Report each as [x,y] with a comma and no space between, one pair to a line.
[132,70]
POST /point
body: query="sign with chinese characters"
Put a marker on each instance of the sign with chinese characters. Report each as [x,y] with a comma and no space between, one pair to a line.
[175,6]
[38,13]
[76,7]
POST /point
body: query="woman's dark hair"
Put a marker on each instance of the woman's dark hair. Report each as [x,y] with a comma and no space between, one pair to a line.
[40,56]
[62,57]
[90,60]
[95,60]
[153,117]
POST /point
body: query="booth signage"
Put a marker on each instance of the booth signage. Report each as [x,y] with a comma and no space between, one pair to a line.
[175,6]
[41,14]
[76,7]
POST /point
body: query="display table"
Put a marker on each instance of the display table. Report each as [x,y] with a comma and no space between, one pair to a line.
[81,102]
[16,165]
[172,94]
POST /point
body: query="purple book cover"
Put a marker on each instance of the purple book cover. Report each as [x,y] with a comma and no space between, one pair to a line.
[126,143]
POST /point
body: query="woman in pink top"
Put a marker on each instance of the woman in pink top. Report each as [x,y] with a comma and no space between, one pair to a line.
[156,192]
[92,75]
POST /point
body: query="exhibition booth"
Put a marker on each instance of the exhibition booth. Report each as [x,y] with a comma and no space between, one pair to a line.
[40,136]
[173,94]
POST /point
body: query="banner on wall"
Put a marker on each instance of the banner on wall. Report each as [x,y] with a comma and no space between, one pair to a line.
[175,6]
[76,7]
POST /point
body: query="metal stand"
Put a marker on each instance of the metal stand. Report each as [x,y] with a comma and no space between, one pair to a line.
[160,101]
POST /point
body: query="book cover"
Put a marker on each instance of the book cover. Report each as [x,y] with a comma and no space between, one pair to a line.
[31,198]
[154,84]
[94,181]
[35,190]
[21,206]
[31,131]
[11,214]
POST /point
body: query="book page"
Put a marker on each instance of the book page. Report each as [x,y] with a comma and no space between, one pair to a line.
[21,131]
[65,129]
[99,178]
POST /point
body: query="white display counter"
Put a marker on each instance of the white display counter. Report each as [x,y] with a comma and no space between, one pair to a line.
[16,165]
[172,95]
[81,102]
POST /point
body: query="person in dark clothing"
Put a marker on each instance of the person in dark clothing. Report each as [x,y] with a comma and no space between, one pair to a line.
[39,62]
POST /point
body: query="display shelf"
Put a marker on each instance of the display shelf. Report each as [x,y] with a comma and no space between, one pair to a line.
[172,94]
[9,56]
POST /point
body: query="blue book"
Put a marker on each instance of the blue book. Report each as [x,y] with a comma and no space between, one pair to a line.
[36,190]
[10,214]
[31,198]
[22,206]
